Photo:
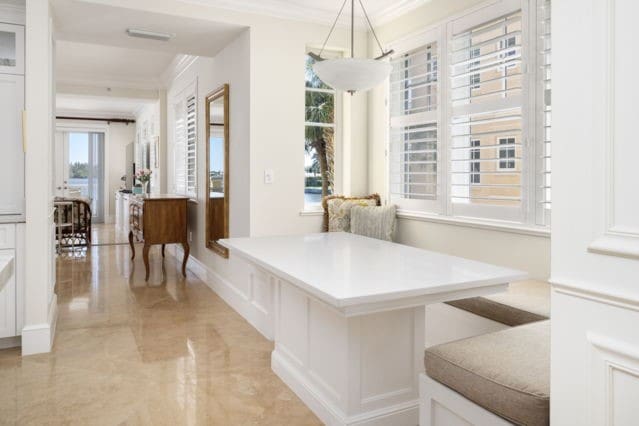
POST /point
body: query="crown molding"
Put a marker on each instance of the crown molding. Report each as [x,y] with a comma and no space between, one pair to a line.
[285,10]
[178,65]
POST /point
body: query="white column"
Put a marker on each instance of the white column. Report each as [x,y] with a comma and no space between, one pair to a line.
[40,301]
[595,213]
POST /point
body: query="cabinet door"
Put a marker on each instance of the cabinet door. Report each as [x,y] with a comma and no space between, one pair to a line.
[11,49]
[8,300]
[12,158]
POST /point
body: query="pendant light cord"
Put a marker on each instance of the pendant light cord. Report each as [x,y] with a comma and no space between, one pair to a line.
[333,27]
[368,21]
[370,25]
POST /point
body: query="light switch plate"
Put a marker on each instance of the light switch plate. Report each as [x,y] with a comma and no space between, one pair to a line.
[269,176]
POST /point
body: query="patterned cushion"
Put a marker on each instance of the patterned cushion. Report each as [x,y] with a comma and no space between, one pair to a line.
[339,213]
[374,222]
[374,199]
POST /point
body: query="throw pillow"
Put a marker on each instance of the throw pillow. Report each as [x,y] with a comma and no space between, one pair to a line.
[374,222]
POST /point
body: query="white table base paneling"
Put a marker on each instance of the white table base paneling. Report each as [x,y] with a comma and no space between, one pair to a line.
[349,370]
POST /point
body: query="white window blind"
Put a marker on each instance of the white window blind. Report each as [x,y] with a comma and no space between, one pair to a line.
[185,144]
[179,148]
[544,113]
[191,145]
[414,148]
[486,84]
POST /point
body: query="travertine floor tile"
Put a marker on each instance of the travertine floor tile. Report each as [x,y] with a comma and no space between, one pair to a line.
[163,352]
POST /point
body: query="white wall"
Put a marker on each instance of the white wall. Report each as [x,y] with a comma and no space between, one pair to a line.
[595,247]
[524,251]
[148,127]
[229,66]
[40,309]
[277,49]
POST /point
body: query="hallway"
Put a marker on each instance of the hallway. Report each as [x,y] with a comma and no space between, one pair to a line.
[128,352]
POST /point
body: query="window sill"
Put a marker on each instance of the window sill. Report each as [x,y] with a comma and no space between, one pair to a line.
[535,231]
[312,213]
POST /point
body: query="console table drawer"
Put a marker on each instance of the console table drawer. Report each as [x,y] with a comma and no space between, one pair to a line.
[7,236]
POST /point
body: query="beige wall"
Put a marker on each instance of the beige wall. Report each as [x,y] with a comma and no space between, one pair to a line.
[526,252]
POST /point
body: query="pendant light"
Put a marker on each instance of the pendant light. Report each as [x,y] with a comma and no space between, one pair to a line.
[352,74]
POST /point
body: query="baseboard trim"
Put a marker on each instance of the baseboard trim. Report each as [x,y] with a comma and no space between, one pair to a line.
[10,342]
[403,413]
[574,290]
[38,338]
[228,292]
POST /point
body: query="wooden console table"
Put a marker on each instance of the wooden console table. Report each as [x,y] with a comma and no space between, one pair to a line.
[158,219]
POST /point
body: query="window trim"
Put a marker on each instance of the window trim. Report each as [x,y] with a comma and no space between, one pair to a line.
[342,104]
[525,215]
[181,97]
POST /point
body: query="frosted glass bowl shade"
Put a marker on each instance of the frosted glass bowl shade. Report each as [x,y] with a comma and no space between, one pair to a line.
[352,74]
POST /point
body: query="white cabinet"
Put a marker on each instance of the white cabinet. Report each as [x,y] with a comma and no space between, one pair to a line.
[122,211]
[11,282]
[12,158]
[11,49]
[7,293]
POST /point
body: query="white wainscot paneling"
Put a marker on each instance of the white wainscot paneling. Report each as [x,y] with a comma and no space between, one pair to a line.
[618,223]
[292,320]
[615,381]
[349,369]
[245,287]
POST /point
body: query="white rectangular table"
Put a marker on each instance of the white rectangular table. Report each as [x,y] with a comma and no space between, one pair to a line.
[349,318]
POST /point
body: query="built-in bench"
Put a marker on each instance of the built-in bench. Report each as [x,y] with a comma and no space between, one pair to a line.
[500,378]
[523,303]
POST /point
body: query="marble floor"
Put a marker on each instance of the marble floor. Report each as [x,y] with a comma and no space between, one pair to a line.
[166,352]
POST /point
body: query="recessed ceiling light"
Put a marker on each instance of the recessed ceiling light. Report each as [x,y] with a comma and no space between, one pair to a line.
[132,32]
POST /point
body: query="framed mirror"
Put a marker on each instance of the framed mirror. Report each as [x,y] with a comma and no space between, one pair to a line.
[217,168]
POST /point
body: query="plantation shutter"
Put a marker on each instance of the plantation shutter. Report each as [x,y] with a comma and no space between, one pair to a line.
[486,84]
[179,148]
[544,136]
[191,145]
[414,148]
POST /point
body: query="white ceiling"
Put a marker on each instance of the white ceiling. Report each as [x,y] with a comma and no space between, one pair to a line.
[98,106]
[95,64]
[102,24]
[323,11]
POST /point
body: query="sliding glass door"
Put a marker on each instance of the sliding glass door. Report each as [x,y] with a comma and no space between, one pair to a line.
[82,171]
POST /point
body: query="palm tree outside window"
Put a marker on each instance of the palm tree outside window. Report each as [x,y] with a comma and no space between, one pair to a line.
[319,139]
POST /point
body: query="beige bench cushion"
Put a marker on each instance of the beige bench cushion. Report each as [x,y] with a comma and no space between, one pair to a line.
[506,372]
[523,303]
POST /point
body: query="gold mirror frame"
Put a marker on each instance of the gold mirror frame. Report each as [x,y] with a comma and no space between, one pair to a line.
[221,92]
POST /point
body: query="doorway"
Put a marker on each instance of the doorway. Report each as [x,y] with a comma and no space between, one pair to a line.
[80,168]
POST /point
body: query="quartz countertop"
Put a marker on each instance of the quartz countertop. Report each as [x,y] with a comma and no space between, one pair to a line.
[6,269]
[345,269]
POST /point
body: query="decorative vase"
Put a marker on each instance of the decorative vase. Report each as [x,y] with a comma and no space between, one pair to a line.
[146,187]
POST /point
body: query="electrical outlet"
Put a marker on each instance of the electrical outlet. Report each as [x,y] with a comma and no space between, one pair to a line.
[190,236]
[269,176]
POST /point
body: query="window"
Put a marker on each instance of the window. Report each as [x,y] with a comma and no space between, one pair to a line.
[319,138]
[185,143]
[491,115]
[506,153]
[544,126]
[475,166]
[414,129]
[480,164]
